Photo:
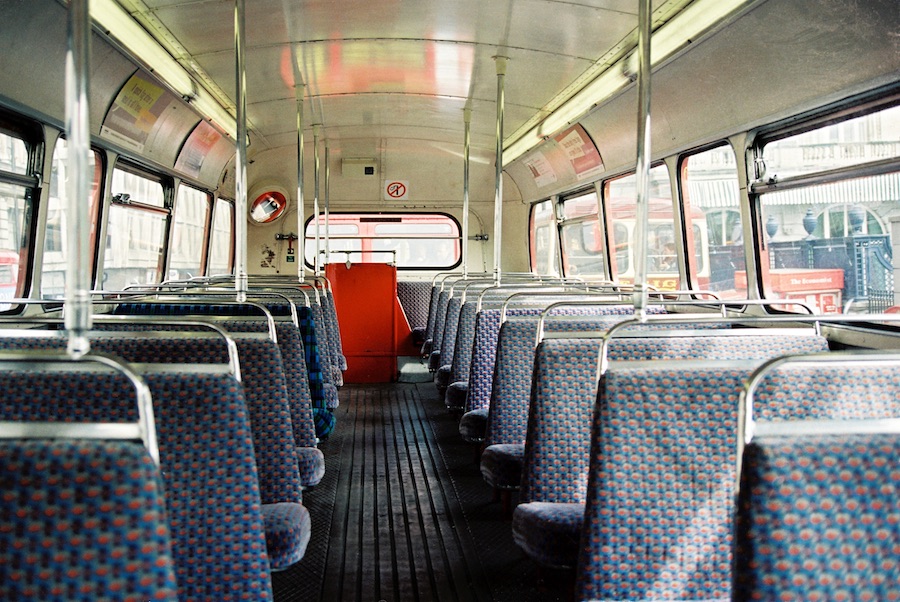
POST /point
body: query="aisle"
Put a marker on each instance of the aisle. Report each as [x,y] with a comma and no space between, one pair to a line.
[400,510]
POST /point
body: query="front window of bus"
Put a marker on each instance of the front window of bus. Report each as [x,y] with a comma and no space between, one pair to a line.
[53,274]
[411,241]
[620,197]
[136,230]
[579,231]
[709,187]
[829,199]
[188,233]
[16,190]
[542,240]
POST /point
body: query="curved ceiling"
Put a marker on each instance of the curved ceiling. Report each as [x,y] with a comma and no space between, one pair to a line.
[397,69]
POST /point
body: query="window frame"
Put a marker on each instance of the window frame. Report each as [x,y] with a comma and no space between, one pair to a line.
[388,216]
[762,183]
[32,135]
[555,261]
[685,206]
[562,222]
[164,211]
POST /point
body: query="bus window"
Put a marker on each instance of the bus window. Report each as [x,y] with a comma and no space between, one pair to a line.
[135,232]
[709,187]
[221,243]
[341,243]
[829,243]
[620,197]
[15,212]
[579,231]
[411,241]
[188,232]
[542,240]
[53,274]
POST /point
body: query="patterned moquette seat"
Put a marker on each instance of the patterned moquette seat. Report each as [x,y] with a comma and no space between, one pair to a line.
[310,460]
[818,519]
[440,319]
[501,467]
[414,297]
[448,345]
[65,534]
[207,462]
[657,521]
[334,332]
[817,516]
[322,415]
[265,400]
[325,359]
[457,390]
[557,457]
[428,343]
[547,523]
[474,424]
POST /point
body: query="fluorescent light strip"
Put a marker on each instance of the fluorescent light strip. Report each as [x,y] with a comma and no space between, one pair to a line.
[684,27]
[130,34]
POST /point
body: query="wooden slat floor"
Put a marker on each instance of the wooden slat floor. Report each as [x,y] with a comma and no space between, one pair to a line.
[402,513]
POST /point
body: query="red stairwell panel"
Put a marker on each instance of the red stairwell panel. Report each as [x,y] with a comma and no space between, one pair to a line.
[365,297]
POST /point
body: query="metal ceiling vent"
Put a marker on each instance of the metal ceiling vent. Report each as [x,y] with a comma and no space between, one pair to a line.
[359,167]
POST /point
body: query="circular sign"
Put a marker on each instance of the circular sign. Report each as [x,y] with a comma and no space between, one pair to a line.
[396,190]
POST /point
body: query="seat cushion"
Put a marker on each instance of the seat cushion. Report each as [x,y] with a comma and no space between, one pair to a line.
[311,462]
[501,465]
[473,425]
[455,397]
[549,532]
[331,396]
[434,360]
[324,421]
[442,377]
[288,529]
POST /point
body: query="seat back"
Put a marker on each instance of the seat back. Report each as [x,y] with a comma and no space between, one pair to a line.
[817,518]
[206,459]
[415,297]
[447,347]
[817,514]
[432,315]
[557,448]
[511,388]
[658,510]
[67,535]
[263,386]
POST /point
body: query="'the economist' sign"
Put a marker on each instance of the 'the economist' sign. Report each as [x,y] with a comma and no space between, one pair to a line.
[396,190]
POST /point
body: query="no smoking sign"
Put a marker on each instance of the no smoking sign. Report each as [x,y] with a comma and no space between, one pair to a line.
[396,190]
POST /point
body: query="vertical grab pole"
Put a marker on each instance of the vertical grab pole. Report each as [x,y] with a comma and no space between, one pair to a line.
[316,167]
[643,161]
[327,202]
[78,184]
[498,168]
[301,209]
[240,157]
[467,142]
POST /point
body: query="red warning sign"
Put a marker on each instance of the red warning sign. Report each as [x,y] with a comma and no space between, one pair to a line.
[396,190]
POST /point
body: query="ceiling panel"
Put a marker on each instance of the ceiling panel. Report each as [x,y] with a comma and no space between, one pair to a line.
[387,65]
